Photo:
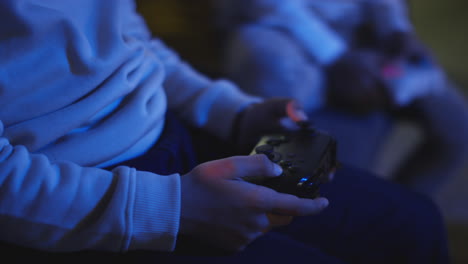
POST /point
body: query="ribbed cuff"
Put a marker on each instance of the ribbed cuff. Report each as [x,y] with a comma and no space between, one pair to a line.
[156,212]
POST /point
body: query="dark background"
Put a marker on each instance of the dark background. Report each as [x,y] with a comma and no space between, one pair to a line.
[187,26]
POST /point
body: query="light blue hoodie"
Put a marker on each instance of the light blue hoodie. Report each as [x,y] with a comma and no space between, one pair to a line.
[83,85]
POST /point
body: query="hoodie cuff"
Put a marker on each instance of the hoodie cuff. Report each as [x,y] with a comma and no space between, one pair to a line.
[156,212]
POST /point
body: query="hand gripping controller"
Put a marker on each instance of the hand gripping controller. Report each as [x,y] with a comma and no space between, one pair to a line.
[307,157]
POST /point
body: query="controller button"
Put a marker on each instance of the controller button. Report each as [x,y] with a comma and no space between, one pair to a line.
[274,141]
[285,163]
[293,169]
[264,149]
[302,182]
[275,157]
[311,185]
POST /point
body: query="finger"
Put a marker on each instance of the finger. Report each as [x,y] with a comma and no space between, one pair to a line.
[288,124]
[288,112]
[278,106]
[286,204]
[285,112]
[295,111]
[250,166]
[277,220]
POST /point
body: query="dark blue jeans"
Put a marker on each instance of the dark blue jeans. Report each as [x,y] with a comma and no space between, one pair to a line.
[368,220]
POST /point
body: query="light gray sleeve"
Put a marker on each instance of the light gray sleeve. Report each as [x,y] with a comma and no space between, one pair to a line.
[201,101]
[63,207]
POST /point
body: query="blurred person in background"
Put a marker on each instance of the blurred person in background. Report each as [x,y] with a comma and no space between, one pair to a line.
[358,68]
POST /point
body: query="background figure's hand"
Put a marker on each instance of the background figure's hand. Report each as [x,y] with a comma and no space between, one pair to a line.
[355,83]
[220,209]
[273,115]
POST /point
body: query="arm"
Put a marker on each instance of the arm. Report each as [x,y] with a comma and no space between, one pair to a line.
[61,68]
[204,103]
[65,207]
[72,207]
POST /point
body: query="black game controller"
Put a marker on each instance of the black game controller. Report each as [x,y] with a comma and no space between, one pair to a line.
[307,157]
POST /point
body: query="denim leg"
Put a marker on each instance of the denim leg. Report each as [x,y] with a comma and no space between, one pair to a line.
[370,220]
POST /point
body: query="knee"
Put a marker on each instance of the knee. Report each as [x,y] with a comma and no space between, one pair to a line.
[424,220]
[420,234]
[250,47]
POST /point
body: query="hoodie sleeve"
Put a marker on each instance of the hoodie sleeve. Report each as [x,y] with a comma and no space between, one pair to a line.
[201,101]
[65,207]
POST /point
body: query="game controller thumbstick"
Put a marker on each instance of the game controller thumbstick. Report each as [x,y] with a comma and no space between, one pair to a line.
[264,149]
[268,150]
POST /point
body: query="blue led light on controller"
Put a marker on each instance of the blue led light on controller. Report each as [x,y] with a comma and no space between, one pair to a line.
[302,181]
